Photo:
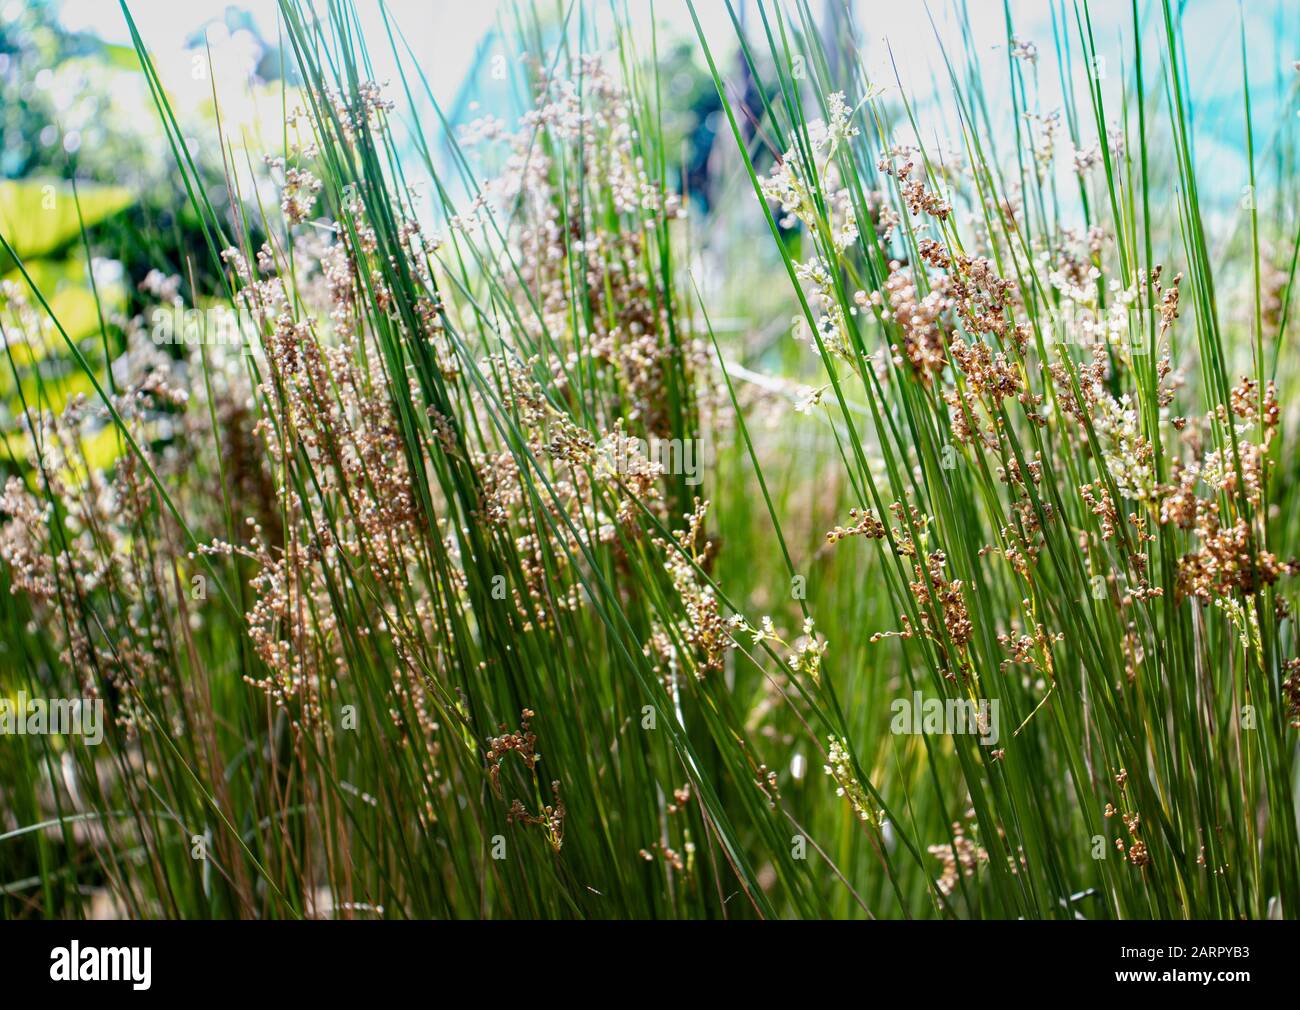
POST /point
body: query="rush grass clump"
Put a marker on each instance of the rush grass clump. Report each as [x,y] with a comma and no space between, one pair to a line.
[1079,445]
[334,565]
[485,576]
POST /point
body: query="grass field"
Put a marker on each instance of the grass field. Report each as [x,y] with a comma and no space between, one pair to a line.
[476,521]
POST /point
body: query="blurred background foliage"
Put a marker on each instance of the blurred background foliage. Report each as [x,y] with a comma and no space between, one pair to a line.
[89,197]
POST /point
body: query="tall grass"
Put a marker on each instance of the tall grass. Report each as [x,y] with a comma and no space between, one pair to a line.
[1063,497]
[417,605]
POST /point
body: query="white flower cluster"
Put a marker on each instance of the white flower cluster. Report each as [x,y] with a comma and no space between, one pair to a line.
[1128,454]
[792,185]
[840,768]
[808,651]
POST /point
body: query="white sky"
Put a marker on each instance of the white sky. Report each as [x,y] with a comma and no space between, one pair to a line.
[445,33]
[445,36]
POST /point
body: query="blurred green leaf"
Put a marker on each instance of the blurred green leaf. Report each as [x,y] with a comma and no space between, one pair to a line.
[39,217]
